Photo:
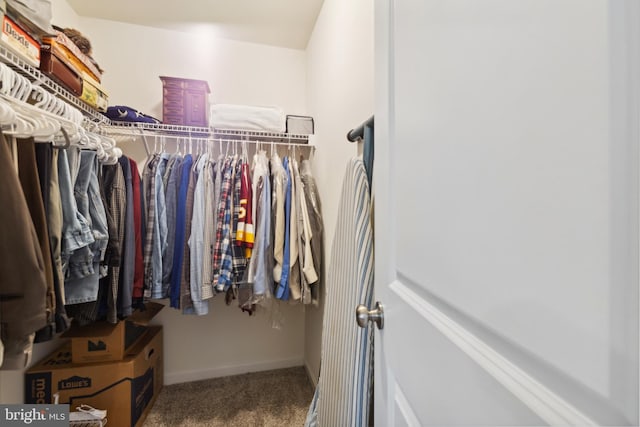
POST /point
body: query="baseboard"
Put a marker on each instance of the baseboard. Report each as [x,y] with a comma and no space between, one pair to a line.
[224,371]
[312,377]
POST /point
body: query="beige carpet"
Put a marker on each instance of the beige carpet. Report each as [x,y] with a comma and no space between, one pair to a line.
[271,398]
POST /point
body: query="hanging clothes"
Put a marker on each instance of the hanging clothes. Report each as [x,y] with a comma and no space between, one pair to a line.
[209,230]
[83,274]
[295,280]
[125,284]
[230,228]
[115,196]
[174,170]
[54,223]
[159,252]
[152,268]
[239,260]
[23,287]
[283,290]
[138,207]
[199,305]
[261,264]
[245,233]
[279,185]
[316,235]
[181,216]
[32,189]
[222,257]
[186,303]
[305,258]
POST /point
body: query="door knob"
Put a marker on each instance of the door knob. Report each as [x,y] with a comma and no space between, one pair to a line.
[364,315]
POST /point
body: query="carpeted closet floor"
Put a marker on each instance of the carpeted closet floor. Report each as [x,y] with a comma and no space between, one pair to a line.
[271,398]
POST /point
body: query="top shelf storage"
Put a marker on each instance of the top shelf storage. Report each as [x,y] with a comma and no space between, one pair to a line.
[37,78]
[138,128]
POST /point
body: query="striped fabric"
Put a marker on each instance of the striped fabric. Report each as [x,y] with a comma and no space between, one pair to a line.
[345,386]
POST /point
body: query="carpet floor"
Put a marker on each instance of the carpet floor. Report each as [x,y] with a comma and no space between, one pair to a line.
[270,398]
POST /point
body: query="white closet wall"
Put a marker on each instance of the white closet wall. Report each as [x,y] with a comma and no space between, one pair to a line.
[340,91]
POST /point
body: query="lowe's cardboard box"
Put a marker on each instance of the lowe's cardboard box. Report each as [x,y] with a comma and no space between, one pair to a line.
[127,389]
[103,341]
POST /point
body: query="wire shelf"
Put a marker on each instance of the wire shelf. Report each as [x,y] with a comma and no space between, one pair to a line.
[162,128]
[137,128]
[261,135]
[37,78]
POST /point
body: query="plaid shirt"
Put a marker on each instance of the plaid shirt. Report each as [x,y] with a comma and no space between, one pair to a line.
[222,259]
[239,261]
[117,206]
[149,185]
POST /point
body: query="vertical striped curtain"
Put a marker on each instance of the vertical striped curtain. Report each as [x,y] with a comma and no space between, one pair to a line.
[345,385]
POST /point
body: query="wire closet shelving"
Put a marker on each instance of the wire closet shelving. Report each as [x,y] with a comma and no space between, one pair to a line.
[144,130]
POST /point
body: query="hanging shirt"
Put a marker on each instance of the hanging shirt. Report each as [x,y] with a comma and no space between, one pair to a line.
[196,240]
[316,236]
[174,168]
[116,206]
[308,274]
[149,185]
[185,282]
[279,180]
[295,279]
[239,260]
[308,266]
[138,275]
[209,229]
[160,231]
[125,287]
[173,158]
[217,189]
[283,291]
[178,253]
[261,262]
[222,257]
[245,233]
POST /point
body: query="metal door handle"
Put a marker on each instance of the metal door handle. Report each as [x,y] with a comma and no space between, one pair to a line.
[364,315]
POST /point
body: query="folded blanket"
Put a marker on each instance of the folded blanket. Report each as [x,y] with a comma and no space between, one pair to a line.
[247,117]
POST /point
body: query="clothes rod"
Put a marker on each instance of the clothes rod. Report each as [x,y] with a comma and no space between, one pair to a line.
[195,139]
[208,139]
[357,134]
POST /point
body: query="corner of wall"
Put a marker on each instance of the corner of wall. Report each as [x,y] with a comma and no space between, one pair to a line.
[340,94]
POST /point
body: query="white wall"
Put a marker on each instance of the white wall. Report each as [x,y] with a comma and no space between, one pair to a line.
[226,341]
[238,72]
[340,92]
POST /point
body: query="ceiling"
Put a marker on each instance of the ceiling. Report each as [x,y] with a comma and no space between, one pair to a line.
[285,23]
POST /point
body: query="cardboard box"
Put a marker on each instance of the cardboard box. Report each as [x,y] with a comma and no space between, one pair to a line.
[19,42]
[126,389]
[93,93]
[103,341]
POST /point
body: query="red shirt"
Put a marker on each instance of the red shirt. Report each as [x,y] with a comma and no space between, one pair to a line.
[138,275]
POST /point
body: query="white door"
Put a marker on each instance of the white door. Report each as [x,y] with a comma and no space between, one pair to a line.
[506,212]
